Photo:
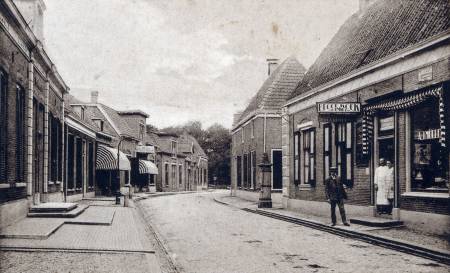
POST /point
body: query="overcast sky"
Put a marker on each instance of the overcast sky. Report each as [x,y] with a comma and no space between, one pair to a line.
[181,60]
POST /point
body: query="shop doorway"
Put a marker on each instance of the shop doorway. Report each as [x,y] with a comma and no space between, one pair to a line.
[384,185]
[277,170]
[38,151]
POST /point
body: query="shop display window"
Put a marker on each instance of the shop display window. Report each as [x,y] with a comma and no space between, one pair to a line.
[429,159]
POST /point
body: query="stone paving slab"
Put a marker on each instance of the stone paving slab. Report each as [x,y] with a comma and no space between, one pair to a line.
[32,228]
[95,216]
[124,234]
[54,206]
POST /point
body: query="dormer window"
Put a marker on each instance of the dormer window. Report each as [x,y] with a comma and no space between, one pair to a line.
[141,131]
[174,148]
[100,123]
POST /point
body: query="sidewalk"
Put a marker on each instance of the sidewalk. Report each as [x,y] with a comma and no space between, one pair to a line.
[105,238]
[399,234]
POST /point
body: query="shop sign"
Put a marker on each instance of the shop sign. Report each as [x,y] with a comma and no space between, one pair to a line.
[338,107]
[428,134]
[145,149]
[425,74]
[386,123]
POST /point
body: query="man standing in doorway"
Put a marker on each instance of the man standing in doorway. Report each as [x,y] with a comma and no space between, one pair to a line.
[335,193]
[382,182]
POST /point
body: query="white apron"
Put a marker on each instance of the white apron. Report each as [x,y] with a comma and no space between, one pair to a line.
[383,181]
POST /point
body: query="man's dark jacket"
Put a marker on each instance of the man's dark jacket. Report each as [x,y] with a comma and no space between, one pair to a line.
[334,189]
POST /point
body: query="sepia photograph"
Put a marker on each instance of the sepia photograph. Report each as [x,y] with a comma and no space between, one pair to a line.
[224,136]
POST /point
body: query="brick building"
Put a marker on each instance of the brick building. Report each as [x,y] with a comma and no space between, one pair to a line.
[258,129]
[31,114]
[379,89]
[182,163]
[122,146]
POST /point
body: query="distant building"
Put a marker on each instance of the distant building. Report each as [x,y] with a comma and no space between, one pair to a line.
[258,129]
[379,89]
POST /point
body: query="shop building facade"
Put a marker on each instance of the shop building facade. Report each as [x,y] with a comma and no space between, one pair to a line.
[385,95]
[257,130]
[32,118]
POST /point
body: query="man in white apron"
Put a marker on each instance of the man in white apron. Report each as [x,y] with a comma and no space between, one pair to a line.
[384,182]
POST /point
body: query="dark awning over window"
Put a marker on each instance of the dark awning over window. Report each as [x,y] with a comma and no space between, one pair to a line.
[107,159]
[146,166]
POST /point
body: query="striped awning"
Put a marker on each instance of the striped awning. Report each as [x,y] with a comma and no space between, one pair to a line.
[404,102]
[107,159]
[146,166]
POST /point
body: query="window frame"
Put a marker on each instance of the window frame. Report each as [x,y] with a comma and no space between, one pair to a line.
[3,127]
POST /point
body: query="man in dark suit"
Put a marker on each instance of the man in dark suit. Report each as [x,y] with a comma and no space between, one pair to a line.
[335,192]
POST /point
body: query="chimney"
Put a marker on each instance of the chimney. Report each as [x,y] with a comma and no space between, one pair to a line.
[364,5]
[94,96]
[272,64]
[33,13]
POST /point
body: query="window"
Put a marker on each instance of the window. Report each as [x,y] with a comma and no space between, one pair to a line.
[3,126]
[239,171]
[174,174]
[245,167]
[141,131]
[53,142]
[174,148]
[296,158]
[429,158]
[180,174]
[20,134]
[252,129]
[242,134]
[253,169]
[344,151]
[308,156]
[326,150]
[166,174]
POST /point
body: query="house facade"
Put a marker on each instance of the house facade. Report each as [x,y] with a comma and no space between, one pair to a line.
[385,94]
[31,118]
[257,130]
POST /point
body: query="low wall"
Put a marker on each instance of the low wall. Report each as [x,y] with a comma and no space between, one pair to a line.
[74,198]
[13,211]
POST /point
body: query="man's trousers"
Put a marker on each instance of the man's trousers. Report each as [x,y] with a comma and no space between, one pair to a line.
[340,204]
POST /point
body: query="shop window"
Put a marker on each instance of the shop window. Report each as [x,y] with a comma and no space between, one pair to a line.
[429,159]
[3,126]
[344,152]
[327,131]
[239,171]
[20,134]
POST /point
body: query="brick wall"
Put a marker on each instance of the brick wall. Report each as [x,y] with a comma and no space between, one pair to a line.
[360,194]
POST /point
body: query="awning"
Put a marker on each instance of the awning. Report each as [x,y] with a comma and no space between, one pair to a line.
[146,166]
[107,159]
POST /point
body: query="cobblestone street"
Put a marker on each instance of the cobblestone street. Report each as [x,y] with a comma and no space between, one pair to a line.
[204,236]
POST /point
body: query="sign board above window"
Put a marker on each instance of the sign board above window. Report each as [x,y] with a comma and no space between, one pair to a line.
[425,74]
[145,149]
[338,107]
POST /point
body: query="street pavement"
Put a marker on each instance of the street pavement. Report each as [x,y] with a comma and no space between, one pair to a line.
[202,235]
[86,244]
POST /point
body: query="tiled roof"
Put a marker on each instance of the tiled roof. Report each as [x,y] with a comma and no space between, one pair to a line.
[118,121]
[88,115]
[386,27]
[276,89]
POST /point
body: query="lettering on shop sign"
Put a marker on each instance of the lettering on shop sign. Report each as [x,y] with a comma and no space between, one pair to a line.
[338,107]
[428,134]
[425,74]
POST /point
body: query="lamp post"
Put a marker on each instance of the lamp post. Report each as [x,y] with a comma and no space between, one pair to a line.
[265,199]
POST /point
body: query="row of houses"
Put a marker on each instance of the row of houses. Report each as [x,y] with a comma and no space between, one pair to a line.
[379,89]
[56,148]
